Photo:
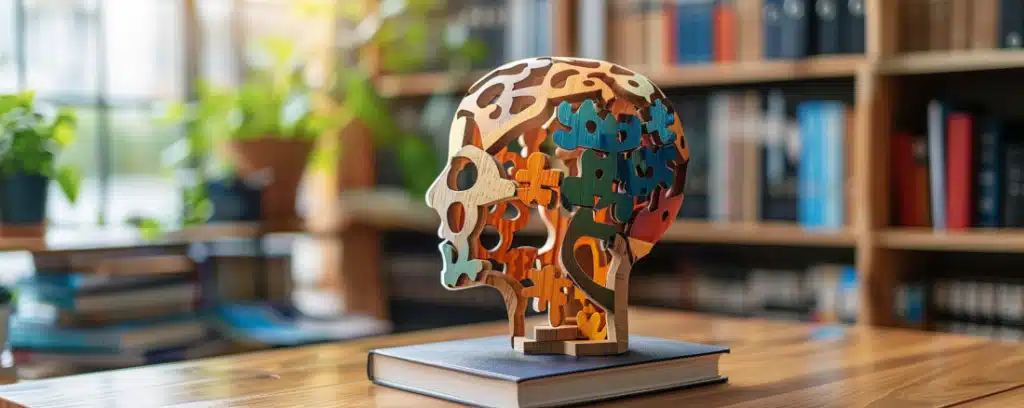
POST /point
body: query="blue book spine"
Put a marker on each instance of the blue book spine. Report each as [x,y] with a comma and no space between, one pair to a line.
[542,36]
[990,183]
[771,15]
[694,22]
[835,183]
[806,120]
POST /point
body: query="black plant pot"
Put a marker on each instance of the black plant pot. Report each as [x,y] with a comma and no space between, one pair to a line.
[23,199]
[234,200]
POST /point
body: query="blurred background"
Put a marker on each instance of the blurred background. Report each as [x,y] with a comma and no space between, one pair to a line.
[188,178]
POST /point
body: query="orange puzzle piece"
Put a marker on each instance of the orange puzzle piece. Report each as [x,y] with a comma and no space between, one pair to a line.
[548,291]
[537,183]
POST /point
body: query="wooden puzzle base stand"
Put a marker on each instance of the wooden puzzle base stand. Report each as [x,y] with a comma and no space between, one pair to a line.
[565,340]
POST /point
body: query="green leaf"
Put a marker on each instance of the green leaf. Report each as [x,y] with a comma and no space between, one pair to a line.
[64,134]
[149,228]
[69,179]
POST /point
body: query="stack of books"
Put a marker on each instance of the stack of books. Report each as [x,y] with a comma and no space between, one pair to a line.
[88,321]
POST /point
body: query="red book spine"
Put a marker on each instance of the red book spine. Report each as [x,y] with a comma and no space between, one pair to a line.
[725,27]
[671,34]
[902,171]
[959,170]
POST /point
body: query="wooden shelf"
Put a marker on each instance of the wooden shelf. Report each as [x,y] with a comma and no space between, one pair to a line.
[423,84]
[783,234]
[974,240]
[951,61]
[836,66]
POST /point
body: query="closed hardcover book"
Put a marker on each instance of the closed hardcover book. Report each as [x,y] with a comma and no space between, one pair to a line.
[809,208]
[797,27]
[654,29]
[937,112]
[161,333]
[909,185]
[830,26]
[960,25]
[488,372]
[959,170]
[940,13]
[186,293]
[989,181]
[1014,191]
[771,20]
[1011,24]
[853,36]
[750,30]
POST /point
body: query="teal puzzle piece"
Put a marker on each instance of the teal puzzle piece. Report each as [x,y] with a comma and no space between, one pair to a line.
[589,130]
[453,268]
[657,127]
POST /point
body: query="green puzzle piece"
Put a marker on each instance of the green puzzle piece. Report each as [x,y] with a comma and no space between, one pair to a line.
[581,225]
[596,179]
[453,268]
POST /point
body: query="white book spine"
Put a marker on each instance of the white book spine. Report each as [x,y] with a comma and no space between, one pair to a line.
[937,163]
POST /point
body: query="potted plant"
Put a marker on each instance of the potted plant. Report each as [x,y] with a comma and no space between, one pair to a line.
[32,135]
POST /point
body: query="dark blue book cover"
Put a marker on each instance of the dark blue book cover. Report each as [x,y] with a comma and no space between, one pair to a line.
[493,357]
[797,24]
[830,25]
[1014,192]
[693,111]
[772,23]
[1011,23]
[853,34]
[990,183]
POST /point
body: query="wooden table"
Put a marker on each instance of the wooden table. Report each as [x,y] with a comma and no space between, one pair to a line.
[773,364]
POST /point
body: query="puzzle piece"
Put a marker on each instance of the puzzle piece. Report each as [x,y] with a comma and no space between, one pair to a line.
[548,291]
[596,179]
[453,268]
[660,162]
[592,326]
[520,260]
[658,126]
[506,229]
[537,183]
[589,130]
[586,127]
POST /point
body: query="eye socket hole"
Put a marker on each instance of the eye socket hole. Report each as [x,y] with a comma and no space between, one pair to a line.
[490,239]
[456,217]
[463,175]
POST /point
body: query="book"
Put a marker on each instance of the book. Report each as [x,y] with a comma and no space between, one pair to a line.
[693,111]
[960,170]
[797,24]
[1011,23]
[591,37]
[831,26]
[811,164]
[853,36]
[1013,201]
[937,112]
[989,176]
[149,335]
[655,24]
[939,19]
[985,24]
[695,31]
[725,31]
[771,20]
[750,156]
[488,372]
[909,181]
[749,19]
[44,313]
[780,163]
[960,24]
[185,293]
[113,360]
[277,325]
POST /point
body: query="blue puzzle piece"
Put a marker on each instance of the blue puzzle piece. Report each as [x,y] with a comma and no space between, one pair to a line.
[630,133]
[658,160]
[578,134]
[657,127]
[453,268]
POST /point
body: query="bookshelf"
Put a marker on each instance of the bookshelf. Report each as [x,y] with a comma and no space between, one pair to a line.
[882,252]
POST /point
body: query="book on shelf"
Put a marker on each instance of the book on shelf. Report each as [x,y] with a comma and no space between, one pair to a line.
[88,361]
[1014,191]
[140,335]
[271,325]
[977,306]
[945,25]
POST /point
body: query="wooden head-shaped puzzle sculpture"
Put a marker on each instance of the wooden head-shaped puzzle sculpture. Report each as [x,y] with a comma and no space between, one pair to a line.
[597,152]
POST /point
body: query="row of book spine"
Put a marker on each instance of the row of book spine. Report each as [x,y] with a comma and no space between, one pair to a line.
[967,172]
[659,33]
[753,160]
[938,25]
[980,307]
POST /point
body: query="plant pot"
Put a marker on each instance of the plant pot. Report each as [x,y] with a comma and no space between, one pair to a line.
[283,161]
[23,200]
[234,200]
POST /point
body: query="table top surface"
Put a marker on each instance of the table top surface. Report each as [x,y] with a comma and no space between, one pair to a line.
[772,364]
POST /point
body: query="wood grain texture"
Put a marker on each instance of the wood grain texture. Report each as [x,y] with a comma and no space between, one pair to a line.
[772,364]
